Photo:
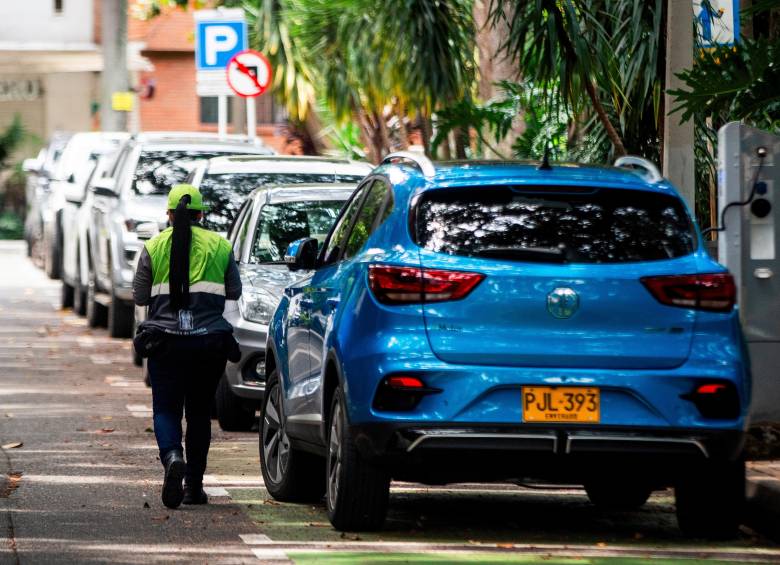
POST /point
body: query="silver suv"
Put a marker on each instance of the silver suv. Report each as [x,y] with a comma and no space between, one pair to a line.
[269,221]
[129,206]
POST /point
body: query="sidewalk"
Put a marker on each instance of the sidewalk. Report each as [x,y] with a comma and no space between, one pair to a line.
[763,492]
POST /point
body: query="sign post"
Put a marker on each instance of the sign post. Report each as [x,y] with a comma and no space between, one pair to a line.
[219,35]
[249,75]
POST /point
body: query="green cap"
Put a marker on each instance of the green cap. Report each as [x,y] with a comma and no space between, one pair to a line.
[179,190]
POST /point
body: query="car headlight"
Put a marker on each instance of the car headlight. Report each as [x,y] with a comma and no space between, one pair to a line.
[256,305]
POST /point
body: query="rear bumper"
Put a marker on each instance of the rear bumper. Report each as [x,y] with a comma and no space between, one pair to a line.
[563,453]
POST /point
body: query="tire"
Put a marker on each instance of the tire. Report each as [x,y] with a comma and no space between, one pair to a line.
[97,314]
[232,415]
[357,492]
[51,260]
[120,318]
[710,500]
[290,475]
[66,296]
[618,494]
[79,298]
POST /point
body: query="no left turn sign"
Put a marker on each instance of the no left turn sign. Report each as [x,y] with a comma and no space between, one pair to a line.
[249,73]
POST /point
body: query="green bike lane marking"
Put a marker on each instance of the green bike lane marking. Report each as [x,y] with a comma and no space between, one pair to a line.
[482,523]
[347,558]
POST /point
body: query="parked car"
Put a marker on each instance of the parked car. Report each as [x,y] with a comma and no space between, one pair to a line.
[39,174]
[131,196]
[268,222]
[78,165]
[225,183]
[472,322]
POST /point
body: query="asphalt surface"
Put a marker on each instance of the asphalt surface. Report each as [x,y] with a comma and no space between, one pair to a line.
[84,485]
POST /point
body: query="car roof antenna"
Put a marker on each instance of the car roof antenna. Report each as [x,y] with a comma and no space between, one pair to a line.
[545,165]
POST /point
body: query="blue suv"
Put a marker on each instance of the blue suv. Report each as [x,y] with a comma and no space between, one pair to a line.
[483,321]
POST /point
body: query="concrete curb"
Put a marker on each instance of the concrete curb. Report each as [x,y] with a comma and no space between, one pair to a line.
[763,503]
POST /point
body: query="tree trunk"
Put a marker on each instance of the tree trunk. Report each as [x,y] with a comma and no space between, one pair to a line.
[612,133]
[367,134]
[403,133]
[427,132]
[384,137]
[461,142]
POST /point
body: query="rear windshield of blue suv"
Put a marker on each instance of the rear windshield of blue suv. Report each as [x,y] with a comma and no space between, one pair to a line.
[554,224]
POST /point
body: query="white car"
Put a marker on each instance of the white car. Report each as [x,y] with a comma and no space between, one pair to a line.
[78,165]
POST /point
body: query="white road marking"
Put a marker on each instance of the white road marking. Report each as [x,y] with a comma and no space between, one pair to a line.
[216,491]
[139,410]
[266,555]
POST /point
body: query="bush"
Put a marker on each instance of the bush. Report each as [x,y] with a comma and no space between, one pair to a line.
[11,226]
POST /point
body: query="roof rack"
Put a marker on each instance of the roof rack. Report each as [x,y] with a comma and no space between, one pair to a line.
[630,161]
[418,160]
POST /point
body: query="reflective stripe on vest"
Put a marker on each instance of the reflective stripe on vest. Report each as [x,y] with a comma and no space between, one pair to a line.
[202,286]
[209,258]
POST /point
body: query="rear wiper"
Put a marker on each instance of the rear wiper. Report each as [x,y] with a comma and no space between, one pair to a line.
[541,254]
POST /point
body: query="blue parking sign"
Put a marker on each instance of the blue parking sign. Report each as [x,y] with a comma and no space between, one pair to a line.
[216,41]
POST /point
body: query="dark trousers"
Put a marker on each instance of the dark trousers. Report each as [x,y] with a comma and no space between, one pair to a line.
[184,375]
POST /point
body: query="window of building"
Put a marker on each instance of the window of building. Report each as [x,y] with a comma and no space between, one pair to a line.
[209,113]
[58,6]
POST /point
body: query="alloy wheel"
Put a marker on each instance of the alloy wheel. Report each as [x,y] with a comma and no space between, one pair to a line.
[276,444]
[334,456]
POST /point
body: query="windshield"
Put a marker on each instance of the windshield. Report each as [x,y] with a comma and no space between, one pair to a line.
[225,193]
[157,171]
[281,224]
[554,225]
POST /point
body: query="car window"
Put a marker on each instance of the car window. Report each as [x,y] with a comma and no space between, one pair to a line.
[367,219]
[281,224]
[240,218]
[158,170]
[224,193]
[337,238]
[243,229]
[549,224]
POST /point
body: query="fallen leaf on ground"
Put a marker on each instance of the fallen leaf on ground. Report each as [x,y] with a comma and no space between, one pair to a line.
[505,545]
[13,445]
[107,418]
[106,430]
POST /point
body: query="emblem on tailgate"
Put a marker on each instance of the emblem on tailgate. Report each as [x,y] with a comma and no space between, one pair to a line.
[562,303]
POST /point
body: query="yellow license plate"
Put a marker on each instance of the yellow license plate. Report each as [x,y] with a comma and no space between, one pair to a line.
[561,404]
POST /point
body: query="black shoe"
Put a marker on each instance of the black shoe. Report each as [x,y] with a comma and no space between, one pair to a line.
[195,495]
[172,492]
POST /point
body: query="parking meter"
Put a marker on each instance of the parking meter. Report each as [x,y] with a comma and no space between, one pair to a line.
[749,245]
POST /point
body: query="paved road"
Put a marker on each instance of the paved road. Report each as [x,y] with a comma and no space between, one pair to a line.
[84,486]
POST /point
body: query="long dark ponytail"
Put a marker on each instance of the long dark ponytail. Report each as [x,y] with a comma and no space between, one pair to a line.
[180,256]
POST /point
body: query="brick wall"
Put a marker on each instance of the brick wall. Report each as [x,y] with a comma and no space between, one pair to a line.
[174,105]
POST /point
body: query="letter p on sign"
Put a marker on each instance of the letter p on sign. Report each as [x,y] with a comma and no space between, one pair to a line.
[219,35]
[219,39]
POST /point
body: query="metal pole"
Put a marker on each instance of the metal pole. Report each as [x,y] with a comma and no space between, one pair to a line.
[113,24]
[222,115]
[679,160]
[251,119]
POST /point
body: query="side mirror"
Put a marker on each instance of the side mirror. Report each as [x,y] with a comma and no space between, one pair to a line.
[105,187]
[147,230]
[31,165]
[301,254]
[74,194]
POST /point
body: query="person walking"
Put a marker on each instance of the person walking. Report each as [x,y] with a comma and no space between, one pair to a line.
[184,275]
